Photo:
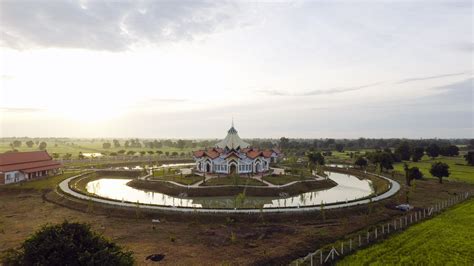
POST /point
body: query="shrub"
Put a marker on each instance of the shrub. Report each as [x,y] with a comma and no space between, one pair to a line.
[67,244]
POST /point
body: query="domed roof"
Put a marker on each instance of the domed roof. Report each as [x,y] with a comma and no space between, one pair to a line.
[232,141]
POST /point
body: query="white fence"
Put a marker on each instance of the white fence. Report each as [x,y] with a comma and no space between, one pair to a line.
[344,247]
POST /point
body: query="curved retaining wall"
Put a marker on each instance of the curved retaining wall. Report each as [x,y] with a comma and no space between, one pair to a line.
[394,188]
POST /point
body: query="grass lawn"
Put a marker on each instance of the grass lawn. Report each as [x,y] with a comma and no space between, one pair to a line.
[447,239]
[232,180]
[185,180]
[285,179]
[43,183]
[458,168]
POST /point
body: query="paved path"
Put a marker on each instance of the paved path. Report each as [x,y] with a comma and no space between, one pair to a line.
[394,187]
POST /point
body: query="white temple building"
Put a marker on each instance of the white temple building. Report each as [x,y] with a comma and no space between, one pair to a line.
[232,155]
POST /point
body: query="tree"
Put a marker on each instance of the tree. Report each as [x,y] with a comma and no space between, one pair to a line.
[284,143]
[361,162]
[116,143]
[130,152]
[469,157]
[404,151]
[384,159]
[151,152]
[439,170]
[142,153]
[42,145]
[339,147]
[413,173]
[432,150]
[30,143]
[180,144]
[16,143]
[451,150]
[55,155]
[106,145]
[417,154]
[68,244]
[315,158]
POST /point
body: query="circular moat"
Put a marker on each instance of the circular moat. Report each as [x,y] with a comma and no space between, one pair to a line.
[349,191]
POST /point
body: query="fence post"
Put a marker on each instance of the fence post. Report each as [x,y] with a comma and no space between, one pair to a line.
[406,220]
[321,257]
[383,229]
[395,225]
[360,242]
[342,247]
[350,245]
[388,228]
[368,235]
[311,259]
[401,223]
[411,218]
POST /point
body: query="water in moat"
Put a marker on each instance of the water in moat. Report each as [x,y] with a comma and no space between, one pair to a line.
[348,188]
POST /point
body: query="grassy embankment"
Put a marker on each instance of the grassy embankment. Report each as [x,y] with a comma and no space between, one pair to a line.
[233,181]
[285,179]
[447,239]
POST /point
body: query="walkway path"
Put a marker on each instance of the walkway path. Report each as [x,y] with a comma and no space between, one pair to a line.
[394,187]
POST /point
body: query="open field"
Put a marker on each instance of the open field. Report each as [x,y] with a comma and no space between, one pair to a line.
[74,146]
[459,170]
[447,239]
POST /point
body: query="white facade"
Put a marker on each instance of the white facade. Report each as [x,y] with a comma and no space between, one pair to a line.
[233,155]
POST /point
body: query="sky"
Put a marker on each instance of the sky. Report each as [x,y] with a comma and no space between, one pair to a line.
[299,69]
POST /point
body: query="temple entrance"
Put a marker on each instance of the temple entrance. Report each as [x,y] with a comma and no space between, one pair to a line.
[258,167]
[233,169]
[208,167]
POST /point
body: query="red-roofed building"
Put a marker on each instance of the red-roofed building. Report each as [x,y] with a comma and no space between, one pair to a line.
[233,155]
[21,166]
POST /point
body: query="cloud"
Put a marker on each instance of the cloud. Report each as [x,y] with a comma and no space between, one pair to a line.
[431,77]
[106,25]
[318,92]
[20,110]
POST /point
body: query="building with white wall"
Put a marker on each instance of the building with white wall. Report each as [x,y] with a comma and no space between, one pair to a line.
[232,155]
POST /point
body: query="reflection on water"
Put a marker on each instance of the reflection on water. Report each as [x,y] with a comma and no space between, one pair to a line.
[348,188]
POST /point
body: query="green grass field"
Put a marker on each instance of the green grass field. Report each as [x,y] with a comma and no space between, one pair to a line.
[447,239]
[74,146]
[458,168]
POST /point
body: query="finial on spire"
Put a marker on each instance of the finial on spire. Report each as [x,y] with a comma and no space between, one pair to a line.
[232,121]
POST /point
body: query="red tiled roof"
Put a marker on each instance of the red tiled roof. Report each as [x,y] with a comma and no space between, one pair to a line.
[198,154]
[267,153]
[212,153]
[23,157]
[21,161]
[253,154]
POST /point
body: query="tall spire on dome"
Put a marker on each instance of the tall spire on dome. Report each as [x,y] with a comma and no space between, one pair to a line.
[232,140]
